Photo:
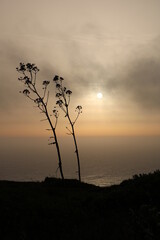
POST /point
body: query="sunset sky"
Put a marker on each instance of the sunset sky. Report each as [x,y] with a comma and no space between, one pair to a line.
[106,46]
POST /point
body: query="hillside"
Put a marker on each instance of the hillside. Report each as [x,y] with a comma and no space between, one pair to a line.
[54,209]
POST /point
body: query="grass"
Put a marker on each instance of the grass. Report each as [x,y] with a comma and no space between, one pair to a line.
[56,209]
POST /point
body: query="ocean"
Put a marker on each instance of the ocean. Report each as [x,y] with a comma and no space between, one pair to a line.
[105,161]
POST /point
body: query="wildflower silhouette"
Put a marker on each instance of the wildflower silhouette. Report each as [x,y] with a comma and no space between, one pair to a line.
[29,78]
[63,95]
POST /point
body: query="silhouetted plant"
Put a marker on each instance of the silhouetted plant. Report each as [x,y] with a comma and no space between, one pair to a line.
[63,102]
[29,76]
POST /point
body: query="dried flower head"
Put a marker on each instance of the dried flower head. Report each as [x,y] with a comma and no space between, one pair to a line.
[59,102]
[55,113]
[45,83]
[38,100]
[26,92]
[68,92]
[79,107]
[56,77]
[58,85]
[58,95]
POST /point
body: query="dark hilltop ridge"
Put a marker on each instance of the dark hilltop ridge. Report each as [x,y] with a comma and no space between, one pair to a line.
[56,209]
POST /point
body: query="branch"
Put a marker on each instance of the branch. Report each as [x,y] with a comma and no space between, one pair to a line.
[30,71]
[30,98]
[63,109]
[68,100]
[70,132]
[35,76]
[56,122]
[51,143]
[43,119]
[47,98]
[76,118]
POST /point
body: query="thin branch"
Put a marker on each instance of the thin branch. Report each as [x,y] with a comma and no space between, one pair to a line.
[43,120]
[51,143]
[47,98]
[68,100]
[76,118]
[31,76]
[32,89]
[31,98]
[45,88]
[41,109]
[63,109]
[35,79]
[56,122]
[70,132]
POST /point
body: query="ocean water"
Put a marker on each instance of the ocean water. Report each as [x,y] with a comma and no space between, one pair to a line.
[104,160]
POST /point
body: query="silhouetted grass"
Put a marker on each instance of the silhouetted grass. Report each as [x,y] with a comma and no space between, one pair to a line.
[57,209]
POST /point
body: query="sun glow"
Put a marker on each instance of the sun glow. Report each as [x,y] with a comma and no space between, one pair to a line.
[99,95]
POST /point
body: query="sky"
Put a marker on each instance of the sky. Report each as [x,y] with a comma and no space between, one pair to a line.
[106,46]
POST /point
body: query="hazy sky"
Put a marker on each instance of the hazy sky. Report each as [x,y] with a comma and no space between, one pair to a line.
[107,46]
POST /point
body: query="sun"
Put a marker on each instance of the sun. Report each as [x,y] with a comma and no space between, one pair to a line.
[99,95]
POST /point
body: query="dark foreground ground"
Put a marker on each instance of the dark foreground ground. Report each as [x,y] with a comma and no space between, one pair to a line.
[69,210]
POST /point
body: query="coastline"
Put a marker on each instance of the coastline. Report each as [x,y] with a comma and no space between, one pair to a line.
[56,209]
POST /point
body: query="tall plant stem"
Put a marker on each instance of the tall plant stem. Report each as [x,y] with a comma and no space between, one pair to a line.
[77,153]
[76,146]
[64,100]
[56,142]
[54,134]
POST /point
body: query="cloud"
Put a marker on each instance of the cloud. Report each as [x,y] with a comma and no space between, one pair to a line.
[135,80]
[141,83]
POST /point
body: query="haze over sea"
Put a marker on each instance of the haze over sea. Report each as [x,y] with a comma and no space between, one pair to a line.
[104,160]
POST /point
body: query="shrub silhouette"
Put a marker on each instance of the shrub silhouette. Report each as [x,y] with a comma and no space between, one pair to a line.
[29,78]
[63,102]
